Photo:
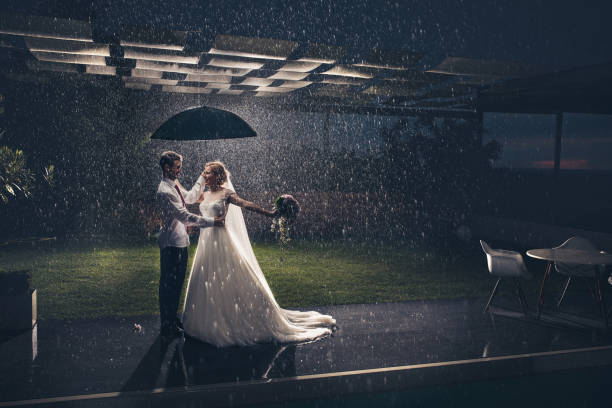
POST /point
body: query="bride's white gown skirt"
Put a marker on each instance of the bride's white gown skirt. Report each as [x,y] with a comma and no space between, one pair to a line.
[230,303]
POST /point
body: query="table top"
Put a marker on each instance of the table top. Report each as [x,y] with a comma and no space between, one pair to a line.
[577,256]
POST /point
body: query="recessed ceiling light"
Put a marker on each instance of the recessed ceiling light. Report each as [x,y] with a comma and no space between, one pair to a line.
[146,73]
[318,60]
[99,70]
[274,89]
[161,66]
[219,71]
[289,76]
[378,66]
[300,66]
[257,81]
[295,84]
[67,46]
[167,67]
[69,58]
[347,72]
[152,45]
[214,51]
[218,86]
[142,54]
[186,89]
[156,81]
[229,92]
[230,63]
[222,79]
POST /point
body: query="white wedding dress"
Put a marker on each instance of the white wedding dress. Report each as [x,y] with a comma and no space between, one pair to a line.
[228,300]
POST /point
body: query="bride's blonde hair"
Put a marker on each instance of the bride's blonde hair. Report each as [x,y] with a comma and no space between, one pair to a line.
[218,169]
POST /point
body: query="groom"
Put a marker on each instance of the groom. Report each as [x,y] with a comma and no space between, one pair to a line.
[173,239]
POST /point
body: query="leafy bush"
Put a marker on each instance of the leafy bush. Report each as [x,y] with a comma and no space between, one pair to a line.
[15,177]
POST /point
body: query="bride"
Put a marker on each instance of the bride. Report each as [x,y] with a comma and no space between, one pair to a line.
[228,300]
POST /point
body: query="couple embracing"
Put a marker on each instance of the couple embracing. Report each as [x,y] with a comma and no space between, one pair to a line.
[228,300]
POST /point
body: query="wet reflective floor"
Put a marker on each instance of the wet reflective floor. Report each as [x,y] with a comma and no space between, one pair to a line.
[122,355]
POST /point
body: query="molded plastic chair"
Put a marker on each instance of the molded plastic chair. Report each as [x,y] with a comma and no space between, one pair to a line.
[506,264]
[577,270]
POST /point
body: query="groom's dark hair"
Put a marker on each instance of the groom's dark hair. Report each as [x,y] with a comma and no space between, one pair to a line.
[169,157]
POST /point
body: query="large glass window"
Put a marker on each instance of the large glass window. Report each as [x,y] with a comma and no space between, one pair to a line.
[527,141]
[587,142]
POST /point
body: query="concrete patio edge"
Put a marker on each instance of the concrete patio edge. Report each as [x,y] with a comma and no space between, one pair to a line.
[342,383]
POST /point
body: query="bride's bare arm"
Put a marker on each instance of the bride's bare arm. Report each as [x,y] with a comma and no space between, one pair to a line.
[234,199]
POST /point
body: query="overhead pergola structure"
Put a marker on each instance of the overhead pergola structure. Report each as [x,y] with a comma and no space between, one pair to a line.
[291,75]
[295,76]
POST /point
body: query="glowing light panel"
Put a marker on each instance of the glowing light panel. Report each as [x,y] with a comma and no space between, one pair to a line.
[69,58]
[228,63]
[100,70]
[300,66]
[222,79]
[67,46]
[155,81]
[295,84]
[186,89]
[347,72]
[257,81]
[146,73]
[230,92]
[142,54]
[289,76]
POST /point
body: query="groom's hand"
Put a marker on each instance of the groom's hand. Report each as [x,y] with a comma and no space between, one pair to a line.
[219,222]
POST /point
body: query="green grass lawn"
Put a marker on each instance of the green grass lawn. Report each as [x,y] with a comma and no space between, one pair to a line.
[89,280]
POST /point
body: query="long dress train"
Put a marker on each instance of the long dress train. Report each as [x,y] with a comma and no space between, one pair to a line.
[228,300]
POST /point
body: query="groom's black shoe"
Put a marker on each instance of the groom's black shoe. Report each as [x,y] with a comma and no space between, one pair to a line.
[170,333]
[179,324]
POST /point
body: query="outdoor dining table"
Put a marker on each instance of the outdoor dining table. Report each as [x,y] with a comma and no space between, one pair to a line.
[575,256]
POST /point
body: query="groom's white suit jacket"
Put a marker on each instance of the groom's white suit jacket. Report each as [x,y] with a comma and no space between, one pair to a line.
[174,215]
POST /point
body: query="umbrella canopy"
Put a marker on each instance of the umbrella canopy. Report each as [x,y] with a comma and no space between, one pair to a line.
[204,124]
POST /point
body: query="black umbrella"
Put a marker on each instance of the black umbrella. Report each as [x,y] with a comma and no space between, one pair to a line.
[204,124]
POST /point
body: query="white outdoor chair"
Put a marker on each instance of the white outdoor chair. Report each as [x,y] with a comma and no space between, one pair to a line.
[506,264]
[577,270]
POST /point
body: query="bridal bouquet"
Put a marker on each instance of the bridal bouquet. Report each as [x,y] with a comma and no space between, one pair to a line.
[287,206]
[288,209]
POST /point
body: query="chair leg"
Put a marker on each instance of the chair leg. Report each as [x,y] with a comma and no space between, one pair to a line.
[600,299]
[540,305]
[492,295]
[591,283]
[567,283]
[521,295]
